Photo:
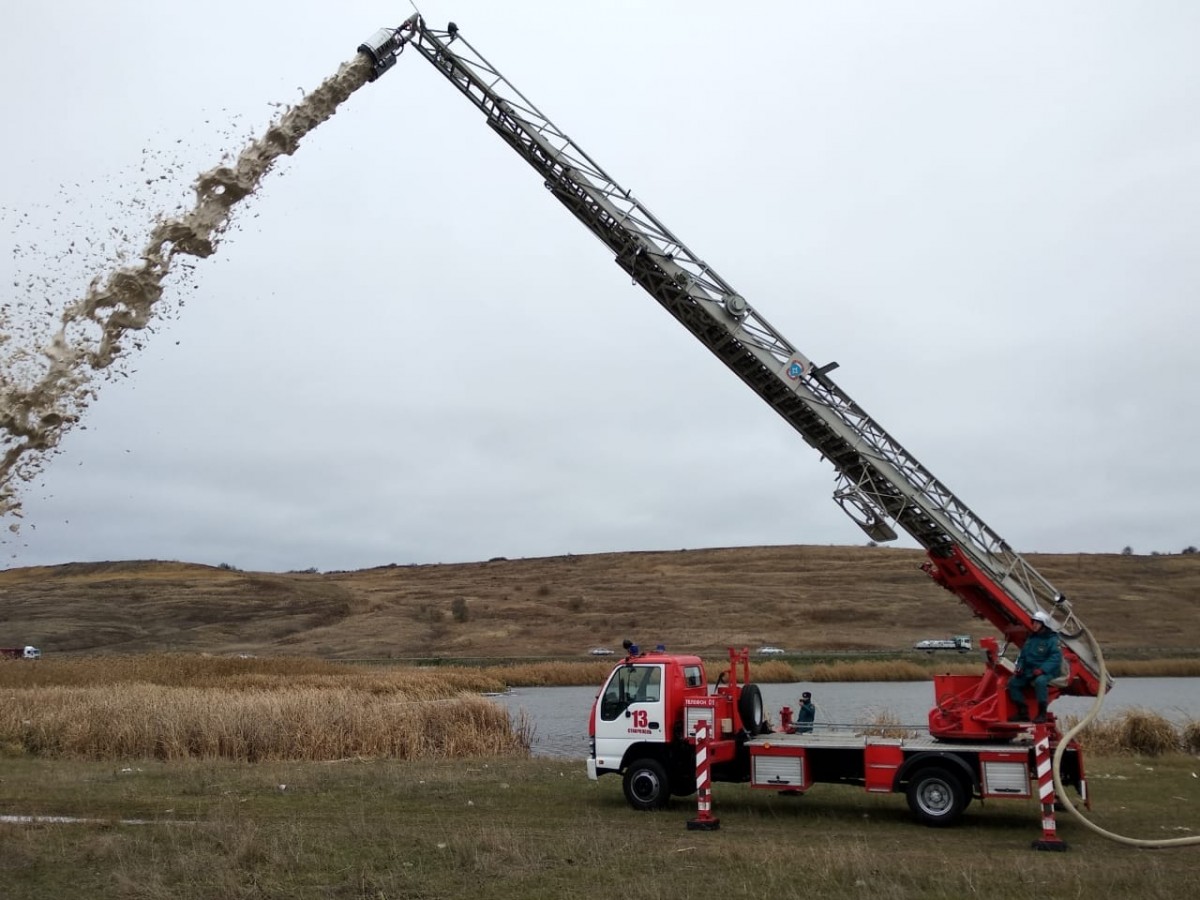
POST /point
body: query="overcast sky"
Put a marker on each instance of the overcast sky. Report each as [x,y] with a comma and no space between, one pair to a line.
[405,351]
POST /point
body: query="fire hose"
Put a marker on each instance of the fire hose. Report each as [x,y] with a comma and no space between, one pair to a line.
[1060,791]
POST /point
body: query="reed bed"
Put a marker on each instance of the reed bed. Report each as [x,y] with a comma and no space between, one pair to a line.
[253,673]
[1154,668]
[774,671]
[142,721]
[177,706]
[551,674]
[1191,737]
[1137,732]
[869,670]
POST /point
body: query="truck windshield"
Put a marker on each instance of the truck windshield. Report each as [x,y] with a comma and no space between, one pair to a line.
[630,684]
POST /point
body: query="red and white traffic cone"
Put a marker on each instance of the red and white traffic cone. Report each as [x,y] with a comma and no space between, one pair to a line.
[705,820]
[1045,777]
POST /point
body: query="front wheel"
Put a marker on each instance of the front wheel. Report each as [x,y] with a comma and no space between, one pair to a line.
[937,797]
[646,785]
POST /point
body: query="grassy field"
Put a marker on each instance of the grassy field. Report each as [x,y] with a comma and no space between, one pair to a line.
[167,776]
[264,771]
[811,600]
[522,829]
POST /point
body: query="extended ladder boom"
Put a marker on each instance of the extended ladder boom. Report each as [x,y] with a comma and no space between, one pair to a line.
[878,480]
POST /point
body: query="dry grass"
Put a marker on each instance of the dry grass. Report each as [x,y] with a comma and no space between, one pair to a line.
[1191,737]
[1138,732]
[1154,668]
[266,673]
[171,723]
[774,671]
[801,598]
[551,674]
[868,670]
[530,829]
[176,707]
[886,725]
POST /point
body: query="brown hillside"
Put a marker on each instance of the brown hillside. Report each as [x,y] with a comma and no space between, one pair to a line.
[800,598]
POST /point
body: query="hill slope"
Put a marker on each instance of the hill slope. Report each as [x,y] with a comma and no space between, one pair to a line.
[798,597]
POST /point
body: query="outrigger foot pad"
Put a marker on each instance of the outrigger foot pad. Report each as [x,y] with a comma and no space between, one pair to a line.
[1042,844]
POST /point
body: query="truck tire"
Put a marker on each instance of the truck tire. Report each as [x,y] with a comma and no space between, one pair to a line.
[937,796]
[683,780]
[646,785]
[750,708]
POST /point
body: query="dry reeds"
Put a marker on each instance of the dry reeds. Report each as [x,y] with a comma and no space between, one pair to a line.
[142,721]
[182,670]
[886,725]
[1138,732]
[1191,737]
[552,674]
[774,671]
[249,673]
[868,670]
[175,707]
[1154,668]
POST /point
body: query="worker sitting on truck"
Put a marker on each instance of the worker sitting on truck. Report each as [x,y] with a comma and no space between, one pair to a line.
[1039,663]
[805,714]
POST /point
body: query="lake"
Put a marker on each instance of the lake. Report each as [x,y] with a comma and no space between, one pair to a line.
[560,714]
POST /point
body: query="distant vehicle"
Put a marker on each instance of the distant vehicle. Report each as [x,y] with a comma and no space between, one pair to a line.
[20,653]
[770,651]
[600,651]
[960,642]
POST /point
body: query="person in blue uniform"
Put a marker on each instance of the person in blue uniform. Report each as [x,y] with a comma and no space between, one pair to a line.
[1039,663]
[805,714]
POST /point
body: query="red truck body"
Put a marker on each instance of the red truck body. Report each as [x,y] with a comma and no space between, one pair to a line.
[643,721]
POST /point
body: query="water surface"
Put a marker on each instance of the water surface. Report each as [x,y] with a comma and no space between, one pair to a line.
[560,714]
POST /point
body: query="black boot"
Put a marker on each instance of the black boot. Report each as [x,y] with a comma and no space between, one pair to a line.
[1041,714]
[1019,714]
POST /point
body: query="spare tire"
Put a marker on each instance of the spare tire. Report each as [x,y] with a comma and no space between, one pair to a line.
[750,708]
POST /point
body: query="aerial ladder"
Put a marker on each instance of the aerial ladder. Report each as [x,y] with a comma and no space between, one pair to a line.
[879,483]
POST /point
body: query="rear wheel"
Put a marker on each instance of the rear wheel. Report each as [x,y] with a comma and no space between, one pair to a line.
[937,797]
[646,785]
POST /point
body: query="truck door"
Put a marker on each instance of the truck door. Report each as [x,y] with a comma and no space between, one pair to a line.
[632,710]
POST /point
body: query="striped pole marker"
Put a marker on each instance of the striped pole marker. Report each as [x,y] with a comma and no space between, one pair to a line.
[705,820]
[1045,779]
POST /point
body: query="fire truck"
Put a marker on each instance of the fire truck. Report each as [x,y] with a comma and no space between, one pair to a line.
[645,718]
[657,716]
